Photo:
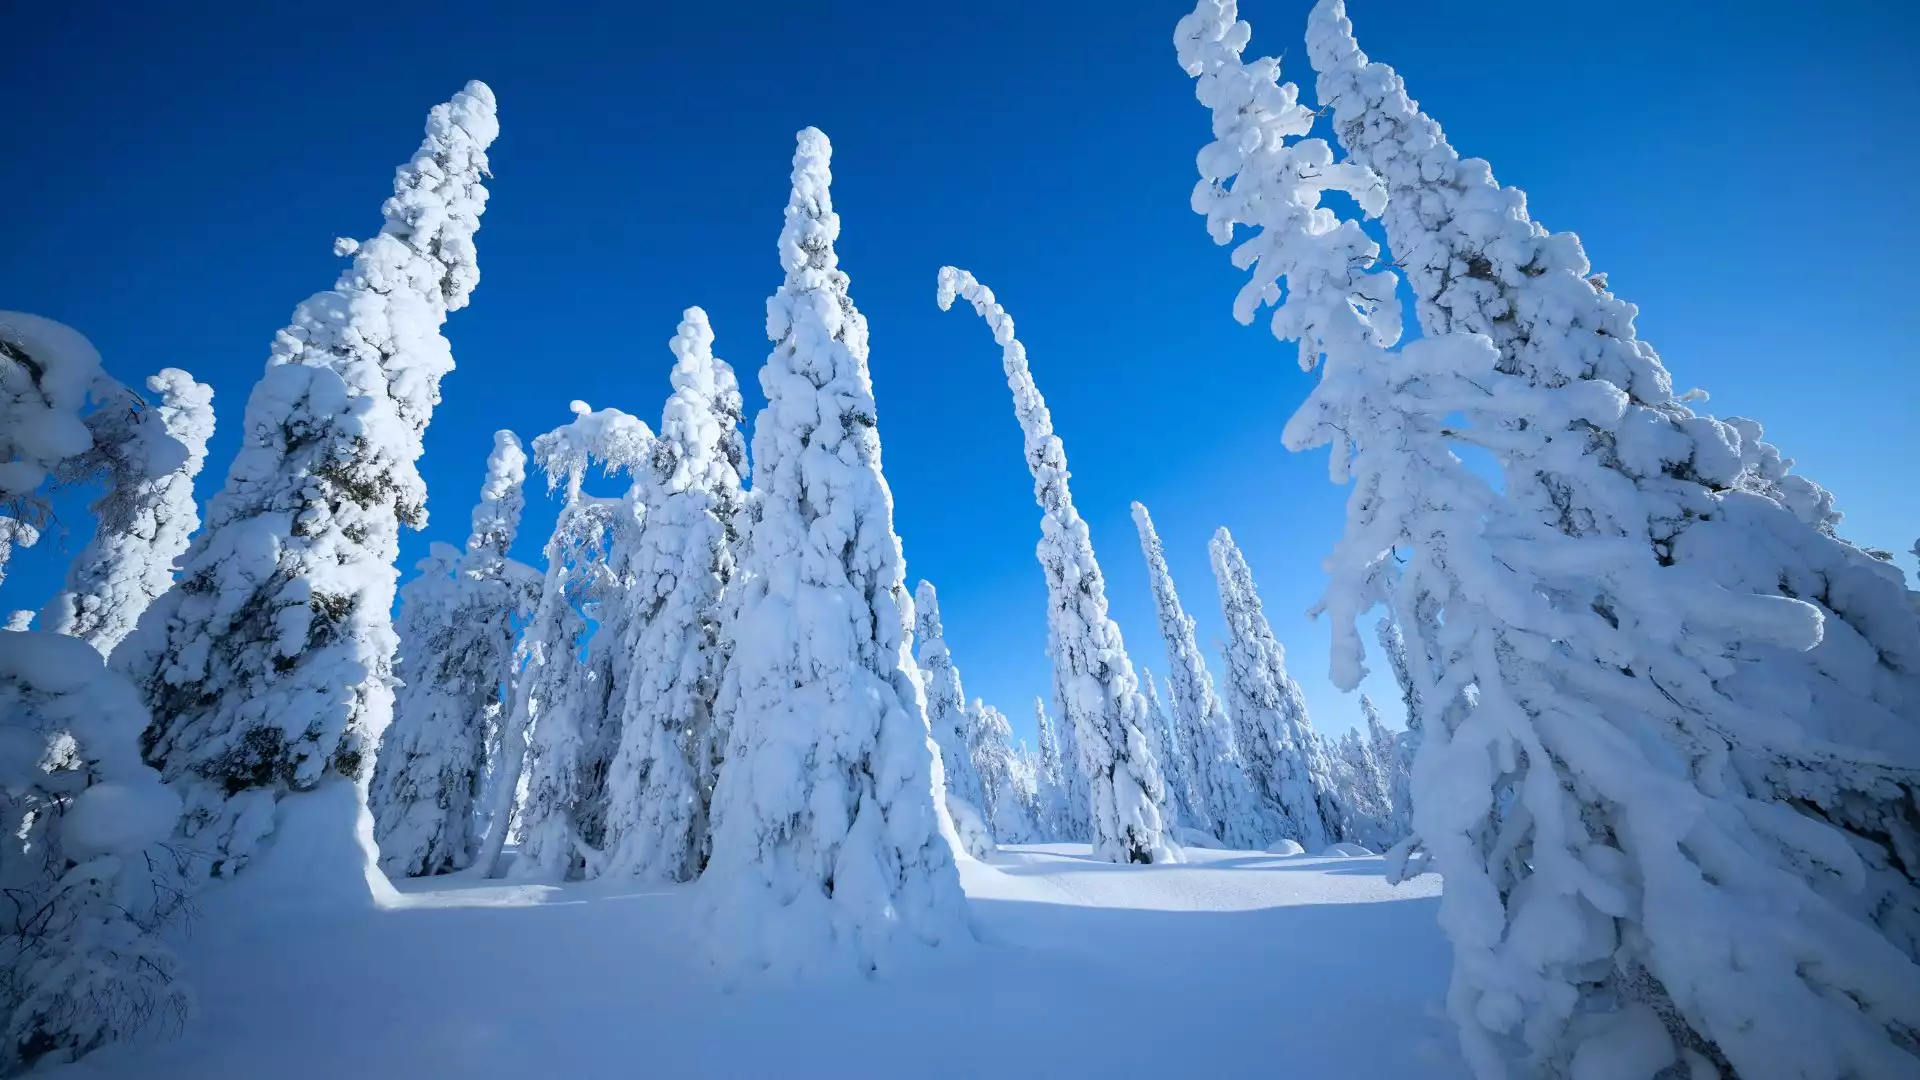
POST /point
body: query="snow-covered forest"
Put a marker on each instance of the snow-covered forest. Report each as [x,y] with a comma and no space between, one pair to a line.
[705,746]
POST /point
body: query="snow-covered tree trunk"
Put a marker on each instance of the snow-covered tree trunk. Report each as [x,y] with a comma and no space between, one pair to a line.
[83,886]
[1618,888]
[1223,804]
[559,699]
[950,720]
[1285,762]
[268,667]
[147,456]
[829,846]
[458,622]
[683,567]
[1094,683]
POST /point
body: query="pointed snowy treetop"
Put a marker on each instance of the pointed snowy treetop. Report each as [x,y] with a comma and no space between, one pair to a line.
[1275,189]
[926,622]
[700,443]
[496,517]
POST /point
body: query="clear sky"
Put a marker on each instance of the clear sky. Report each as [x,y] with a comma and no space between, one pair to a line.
[175,175]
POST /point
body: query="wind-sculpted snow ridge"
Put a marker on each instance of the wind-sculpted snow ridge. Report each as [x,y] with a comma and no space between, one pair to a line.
[1094,682]
[829,848]
[1621,890]
[268,668]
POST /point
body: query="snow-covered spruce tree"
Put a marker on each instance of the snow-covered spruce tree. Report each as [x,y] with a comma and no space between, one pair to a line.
[1006,788]
[1367,798]
[1286,764]
[1692,489]
[1209,756]
[458,622]
[1166,754]
[1052,815]
[1093,679]
[553,724]
[682,566]
[82,888]
[829,846]
[268,667]
[951,721]
[1393,757]
[1639,903]
[146,456]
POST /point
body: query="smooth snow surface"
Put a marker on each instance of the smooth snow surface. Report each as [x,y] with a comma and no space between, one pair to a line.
[1257,966]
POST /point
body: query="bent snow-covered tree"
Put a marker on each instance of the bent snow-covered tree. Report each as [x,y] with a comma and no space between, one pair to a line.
[682,566]
[268,667]
[1094,683]
[828,845]
[1223,804]
[1285,760]
[458,621]
[1692,489]
[147,456]
[950,721]
[1617,888]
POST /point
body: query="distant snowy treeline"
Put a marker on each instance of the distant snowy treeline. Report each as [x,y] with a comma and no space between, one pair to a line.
[1662,722]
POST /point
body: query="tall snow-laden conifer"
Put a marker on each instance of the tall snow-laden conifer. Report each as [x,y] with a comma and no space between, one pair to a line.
[1637,893]
[1692,489]
[828,845]
[1166,753]
[1054,816]
[458,622]
[950,720]
[1008,793]
[1094,683]
[268,667]
[1393,756]
[1286,764]
[147,455]
[553,729]
[683,565]
[1209,756]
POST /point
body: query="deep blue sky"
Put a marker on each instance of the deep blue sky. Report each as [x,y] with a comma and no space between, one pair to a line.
[175,175]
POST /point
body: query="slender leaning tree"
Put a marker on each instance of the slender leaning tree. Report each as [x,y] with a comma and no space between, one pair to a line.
[829,847]
[458,622]
[1093,680]
[268,668]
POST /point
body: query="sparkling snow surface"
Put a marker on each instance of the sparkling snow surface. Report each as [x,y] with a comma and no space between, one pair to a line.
[1247,964]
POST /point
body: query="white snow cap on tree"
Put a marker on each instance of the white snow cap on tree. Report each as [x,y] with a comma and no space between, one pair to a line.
[268,668]
[1223,804]
[81,959]
[1613,880]
[829,848]
[950,720]
[49,373]
[458,622]
[1286,764]
[147,456]
[682,567]
[1094,682]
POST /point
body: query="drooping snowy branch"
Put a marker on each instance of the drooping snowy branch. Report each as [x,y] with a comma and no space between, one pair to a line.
[268,668]
[828,844]
[1094,682]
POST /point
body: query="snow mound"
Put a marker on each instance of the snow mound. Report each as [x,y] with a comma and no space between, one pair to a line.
[1286,847]
[320,858]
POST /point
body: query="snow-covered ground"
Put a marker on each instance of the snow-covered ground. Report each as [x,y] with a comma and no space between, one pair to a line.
[1233,964]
